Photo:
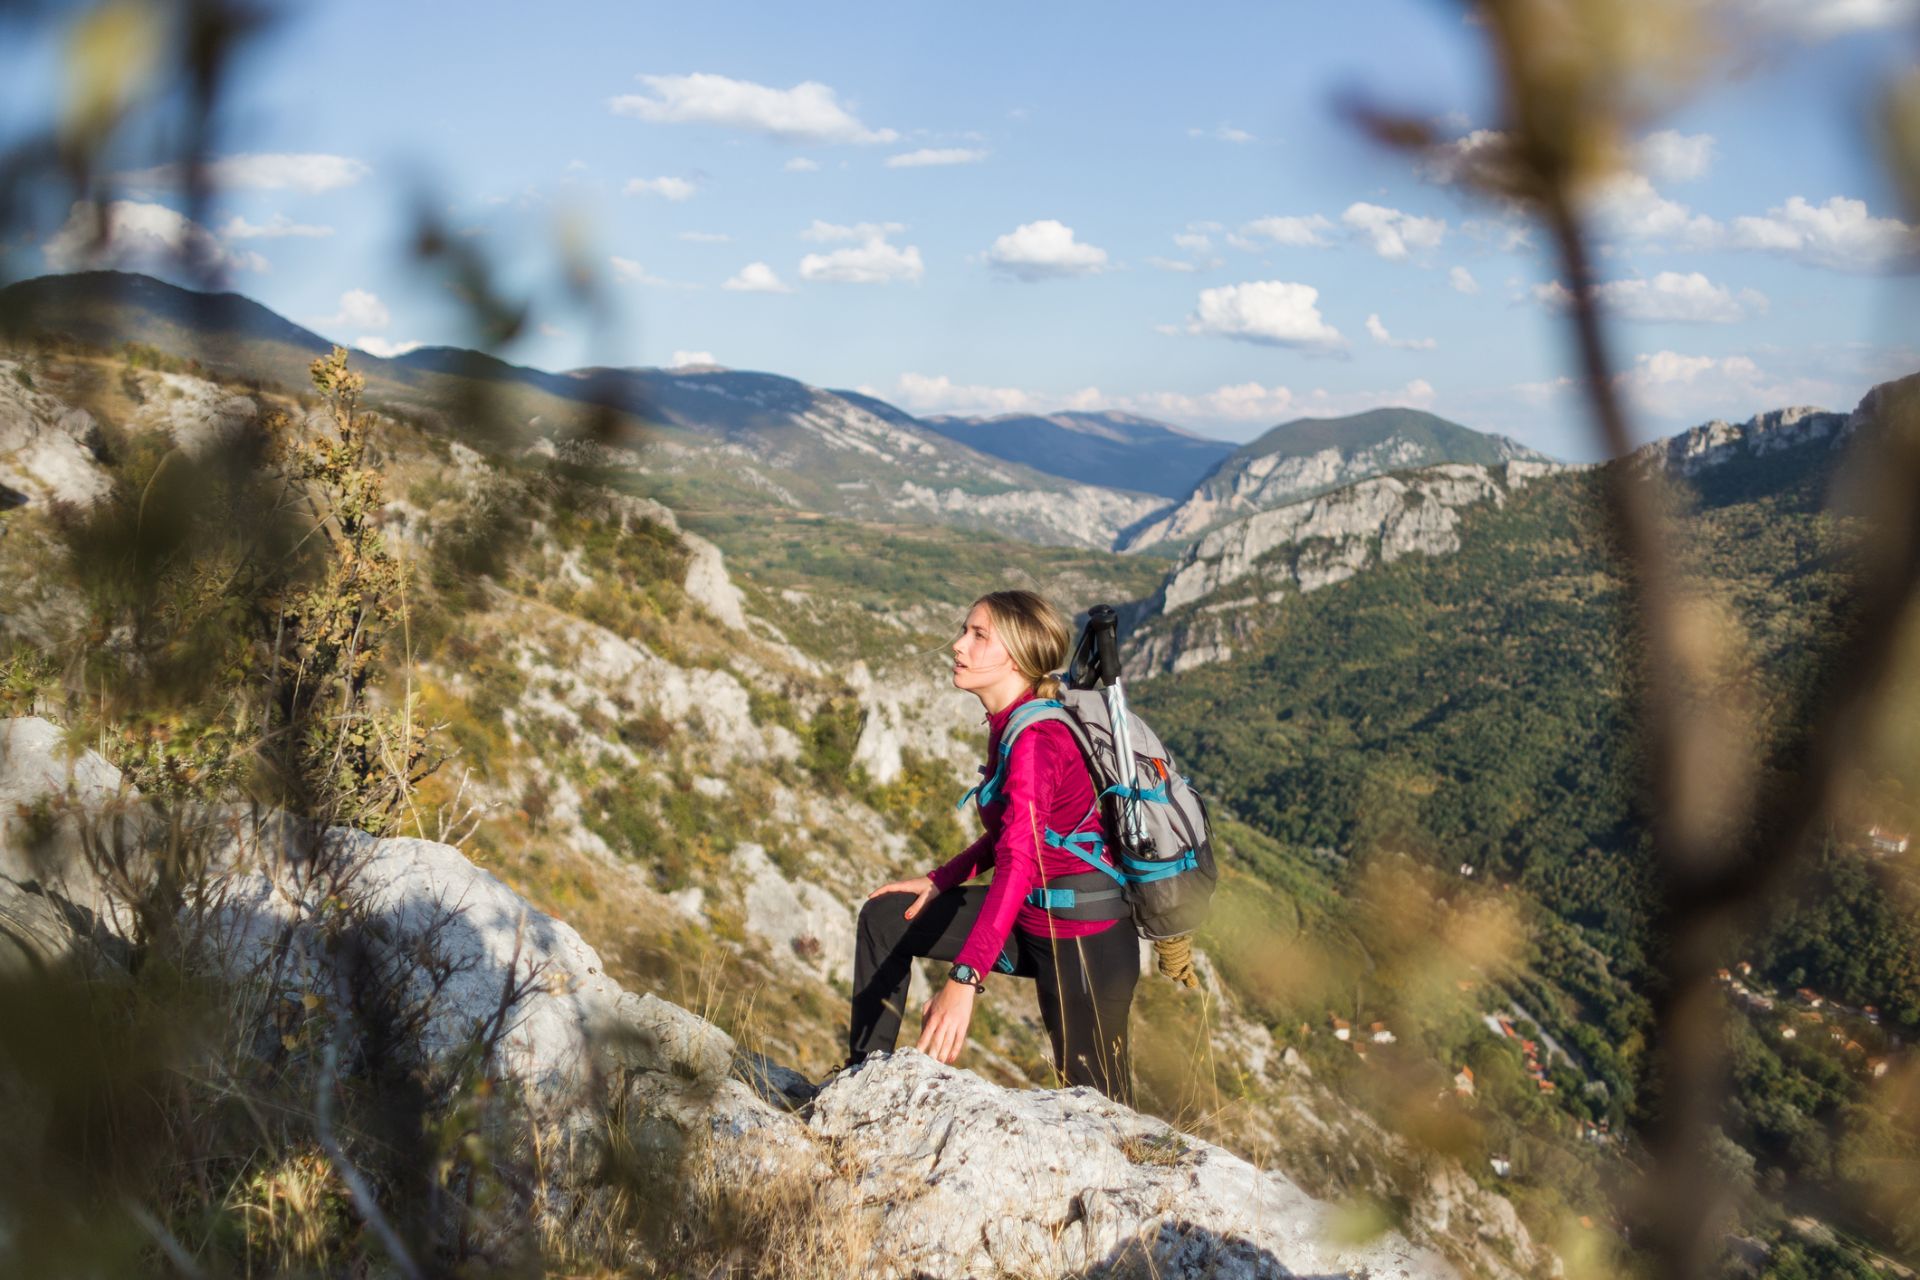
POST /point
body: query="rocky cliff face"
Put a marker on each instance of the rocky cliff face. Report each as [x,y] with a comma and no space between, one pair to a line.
[1260,481]
[1714,443]
[1265,557]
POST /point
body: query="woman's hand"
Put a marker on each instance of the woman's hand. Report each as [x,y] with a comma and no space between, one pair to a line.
[944,1032]
[921,887]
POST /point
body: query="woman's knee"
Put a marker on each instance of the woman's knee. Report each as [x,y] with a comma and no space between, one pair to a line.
[885,914]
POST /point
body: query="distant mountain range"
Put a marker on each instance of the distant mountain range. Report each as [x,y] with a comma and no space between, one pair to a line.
[1119,450]
[728,440]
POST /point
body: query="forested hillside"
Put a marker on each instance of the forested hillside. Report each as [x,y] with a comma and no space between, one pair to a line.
[1463,724]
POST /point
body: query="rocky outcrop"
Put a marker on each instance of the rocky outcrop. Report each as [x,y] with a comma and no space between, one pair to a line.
[964,1178]
[1262,481]
[1307,546]
[46,448]
[906,710]
[799,919]
[1714,443]
[708,585]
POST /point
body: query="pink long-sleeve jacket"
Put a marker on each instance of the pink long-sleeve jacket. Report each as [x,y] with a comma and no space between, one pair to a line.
[1047,785]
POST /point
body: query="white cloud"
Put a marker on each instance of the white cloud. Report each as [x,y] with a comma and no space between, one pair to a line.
[874,262]
[1236,403]
[1378,332]
[1840,234]
[1223,133]
[1195,240]
[1540,394]
[937,393]
[1462,281]
[1256,402]
[674,189]
[936,156]
[1670,296]
[830,232]
[1394,234]
[1273,312]
[309,172]
[1478,158]
[384,349]
[359,309]
[681,359]
[238,228]
[1295,231]
[756,277]
[627,271]
[705,237]
[808,112]
[1627,205]
[1506,234]
[1815,20]
[1672,385]
[128,235]
[800,164]
[1044,250]
[1672,156]
[1675,388]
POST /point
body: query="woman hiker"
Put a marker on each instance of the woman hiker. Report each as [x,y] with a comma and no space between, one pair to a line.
[1085,968]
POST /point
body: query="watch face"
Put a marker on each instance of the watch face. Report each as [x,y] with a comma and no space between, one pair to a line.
[964,973]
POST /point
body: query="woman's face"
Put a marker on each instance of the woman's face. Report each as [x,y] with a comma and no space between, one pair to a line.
[980,661]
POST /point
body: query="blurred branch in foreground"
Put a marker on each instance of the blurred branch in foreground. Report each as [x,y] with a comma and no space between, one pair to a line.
[1578,79]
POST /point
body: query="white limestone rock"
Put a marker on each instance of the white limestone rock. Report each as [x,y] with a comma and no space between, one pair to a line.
[1078,515]
[709,586]
[1416,513]
[1276,480]
[47,792]
[1299,548]
[459,943]
[914,709]
[203,417]
[804,921]
[968,1179]
[1712,443]
[605,664]
[45,447]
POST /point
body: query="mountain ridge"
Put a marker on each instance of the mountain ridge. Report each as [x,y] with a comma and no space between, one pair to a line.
[1308,456]
[745,440]
[1107,448]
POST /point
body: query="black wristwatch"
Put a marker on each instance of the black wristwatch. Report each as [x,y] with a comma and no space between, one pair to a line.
[968,974]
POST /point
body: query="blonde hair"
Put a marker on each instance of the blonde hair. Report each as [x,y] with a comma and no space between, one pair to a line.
[1035,634]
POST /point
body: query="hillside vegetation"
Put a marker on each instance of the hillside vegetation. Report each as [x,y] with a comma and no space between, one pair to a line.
[1462,726]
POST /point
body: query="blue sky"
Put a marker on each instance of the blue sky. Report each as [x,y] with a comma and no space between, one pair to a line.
[994,207]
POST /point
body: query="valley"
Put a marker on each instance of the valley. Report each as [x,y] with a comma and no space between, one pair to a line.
[683,634]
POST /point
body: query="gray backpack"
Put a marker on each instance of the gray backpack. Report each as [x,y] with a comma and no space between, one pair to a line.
[1160,864]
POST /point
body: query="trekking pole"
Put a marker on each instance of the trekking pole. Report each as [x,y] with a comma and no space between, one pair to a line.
[1096,660]
[1133,829]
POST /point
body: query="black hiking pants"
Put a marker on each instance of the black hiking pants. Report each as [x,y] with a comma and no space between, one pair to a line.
[1085,984]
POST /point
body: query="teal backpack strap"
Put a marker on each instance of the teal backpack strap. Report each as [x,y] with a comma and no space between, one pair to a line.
[1086,846]
[1029,713]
